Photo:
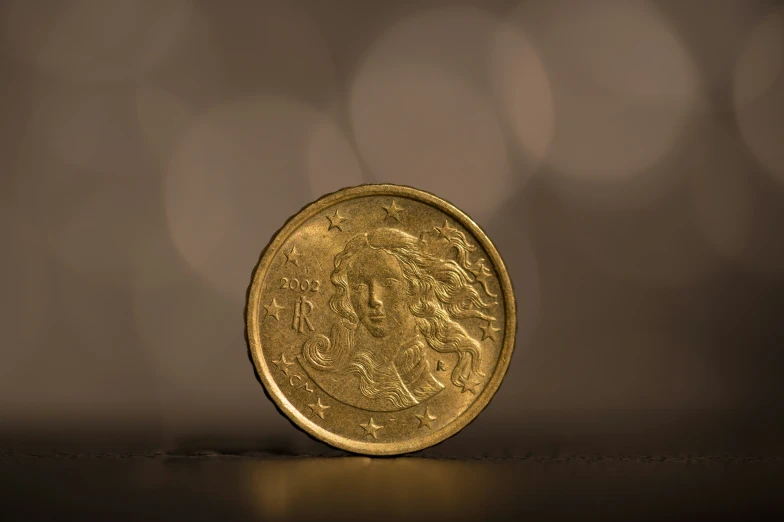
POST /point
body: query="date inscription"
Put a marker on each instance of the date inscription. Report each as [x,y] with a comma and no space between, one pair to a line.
[299,285]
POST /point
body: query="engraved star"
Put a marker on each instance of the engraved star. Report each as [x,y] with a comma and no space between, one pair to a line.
[393,211]
[371,428]
[426,419]
[470,386]
[292,256]
[489,331]
[283,364]
[273,309]
[318,408]
[336,220]
[445,232]
[482,275]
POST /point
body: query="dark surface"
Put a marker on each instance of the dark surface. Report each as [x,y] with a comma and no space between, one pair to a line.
[154,486]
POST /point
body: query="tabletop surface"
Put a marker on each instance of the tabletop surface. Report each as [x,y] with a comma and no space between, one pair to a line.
[261,486]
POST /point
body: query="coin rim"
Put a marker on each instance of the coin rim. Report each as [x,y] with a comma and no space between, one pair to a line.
[299,418]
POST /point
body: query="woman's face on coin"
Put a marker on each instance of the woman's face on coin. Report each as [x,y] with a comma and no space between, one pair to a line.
[377,292]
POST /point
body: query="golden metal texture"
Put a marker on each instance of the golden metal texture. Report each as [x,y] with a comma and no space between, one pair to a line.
[381,319]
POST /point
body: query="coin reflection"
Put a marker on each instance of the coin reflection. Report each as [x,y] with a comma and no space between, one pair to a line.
[378,488]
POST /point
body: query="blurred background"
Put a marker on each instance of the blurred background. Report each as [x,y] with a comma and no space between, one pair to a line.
[626,158]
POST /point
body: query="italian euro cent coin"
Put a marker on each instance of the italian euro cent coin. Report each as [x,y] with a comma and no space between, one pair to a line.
[381,319]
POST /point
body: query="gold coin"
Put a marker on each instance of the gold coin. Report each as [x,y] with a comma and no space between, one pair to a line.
[381,319]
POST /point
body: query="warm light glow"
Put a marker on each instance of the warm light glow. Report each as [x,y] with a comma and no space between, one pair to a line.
[623,88]
[523,89]
[276,489]
[420,119]
[758,93]
[236,175]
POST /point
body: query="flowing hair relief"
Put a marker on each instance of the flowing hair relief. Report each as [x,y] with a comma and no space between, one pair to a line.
[332,353]
[445,292]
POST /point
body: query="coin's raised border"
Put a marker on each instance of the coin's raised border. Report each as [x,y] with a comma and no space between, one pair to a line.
[380,448]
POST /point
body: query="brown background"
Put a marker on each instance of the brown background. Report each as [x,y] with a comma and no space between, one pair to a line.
[625,158]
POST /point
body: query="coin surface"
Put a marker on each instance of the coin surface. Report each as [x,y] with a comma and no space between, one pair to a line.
[381,319]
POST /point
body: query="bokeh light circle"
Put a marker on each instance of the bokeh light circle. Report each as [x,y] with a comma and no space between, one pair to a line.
[421,117]
[758,93]
[624,90]
[523,89]
[239,171]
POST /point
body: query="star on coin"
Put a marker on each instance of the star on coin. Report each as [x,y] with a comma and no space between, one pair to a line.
[292,256]
[426,419]
[482,275]
[336,220]
[371,428]
[393,211]
[445,232]
[489,331]
[273,309]
[318,408]
[283,364]
[470,386]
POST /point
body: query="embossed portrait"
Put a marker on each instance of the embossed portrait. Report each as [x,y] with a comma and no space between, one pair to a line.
[397,302]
